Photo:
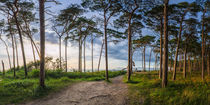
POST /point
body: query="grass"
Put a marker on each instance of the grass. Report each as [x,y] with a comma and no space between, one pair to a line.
[145,89]
[20,89]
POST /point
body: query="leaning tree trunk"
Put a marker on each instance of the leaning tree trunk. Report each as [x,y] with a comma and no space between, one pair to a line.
[92,50]
[13,50]
[13,47]
[16,48]
[165,59]
[8,55]
[177,49]
[84,56]
[161,48]
[203,45]
[32,46]
[21,38]
[99,62]
[42,42]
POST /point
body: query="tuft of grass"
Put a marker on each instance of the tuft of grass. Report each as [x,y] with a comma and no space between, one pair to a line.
[145,89]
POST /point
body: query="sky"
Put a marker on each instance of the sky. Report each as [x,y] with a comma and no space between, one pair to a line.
[117,52]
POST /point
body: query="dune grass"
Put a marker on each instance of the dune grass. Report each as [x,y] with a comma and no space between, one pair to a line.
[145,89]
[20,89]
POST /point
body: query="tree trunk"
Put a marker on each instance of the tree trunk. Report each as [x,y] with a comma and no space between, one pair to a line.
[84,56]
[165,59]
[180,63]
[185,63]
[161,48]
[106,49]
[3,67]
[92,50]
[16,48]
[99,62]
[60,65]
[32,46]
[150,58]
[177,49]
[42,42]
[13,50]
[66,56]
[21,39]
[80,55]
[131,67]
[208,66]
[203,45]
[8,55]
[156,62]
[189,64]
[129,47]
[144,59]
[13,47]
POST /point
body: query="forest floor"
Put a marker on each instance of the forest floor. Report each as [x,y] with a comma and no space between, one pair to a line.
[89,93]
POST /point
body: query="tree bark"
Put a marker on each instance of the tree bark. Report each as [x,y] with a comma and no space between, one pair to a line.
[13,50]
[144,59]
[165,59]
[32,46]
[21,39]
[66,54]
[155,62]
[129,46]
[189,64]
[16,48]
[13,47]
[208,66]
[80,55]
[203,45]
[42,42]
[161,48]
[150,57]
[92,50]
[106,49]
[84,56]
[131,67]
[60,65]
[99,62]
[8,55]
[185,63]
[177,48]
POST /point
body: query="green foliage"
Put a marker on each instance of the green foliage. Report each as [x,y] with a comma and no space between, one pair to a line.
[22,89]
[145,89]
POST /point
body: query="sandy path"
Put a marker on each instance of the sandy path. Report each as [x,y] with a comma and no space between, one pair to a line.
[89,93]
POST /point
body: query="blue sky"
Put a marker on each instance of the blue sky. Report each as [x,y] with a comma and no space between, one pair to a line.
[117,52]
